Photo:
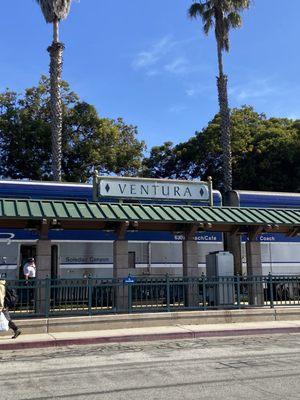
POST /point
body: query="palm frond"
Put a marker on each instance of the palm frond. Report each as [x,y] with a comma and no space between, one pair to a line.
[208,25]
[240,5]
[234,20]
[221,14]
[54,9]
[196,10]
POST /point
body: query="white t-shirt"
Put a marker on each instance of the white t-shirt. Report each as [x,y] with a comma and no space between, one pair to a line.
[30,270]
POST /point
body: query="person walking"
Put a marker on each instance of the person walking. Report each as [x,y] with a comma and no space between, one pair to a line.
[5,310]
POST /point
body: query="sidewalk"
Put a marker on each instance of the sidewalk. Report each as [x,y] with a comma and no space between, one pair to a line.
[26,341]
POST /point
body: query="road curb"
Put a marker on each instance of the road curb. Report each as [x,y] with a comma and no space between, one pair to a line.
[15,345]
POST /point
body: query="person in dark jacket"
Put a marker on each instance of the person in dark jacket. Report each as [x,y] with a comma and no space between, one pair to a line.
[5,310]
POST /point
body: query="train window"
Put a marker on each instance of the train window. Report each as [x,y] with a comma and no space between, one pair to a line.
[131,259]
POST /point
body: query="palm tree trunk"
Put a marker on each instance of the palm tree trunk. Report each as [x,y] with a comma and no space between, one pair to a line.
[56,61]
[225,125]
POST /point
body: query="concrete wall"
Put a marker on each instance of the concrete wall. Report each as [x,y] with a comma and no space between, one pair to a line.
[104,322]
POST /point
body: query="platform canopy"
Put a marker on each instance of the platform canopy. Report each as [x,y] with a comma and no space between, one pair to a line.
[19,213]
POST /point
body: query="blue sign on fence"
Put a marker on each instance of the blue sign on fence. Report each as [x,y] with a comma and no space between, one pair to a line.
[129,279]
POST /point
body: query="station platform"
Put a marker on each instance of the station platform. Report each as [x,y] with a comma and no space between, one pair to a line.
[134,328]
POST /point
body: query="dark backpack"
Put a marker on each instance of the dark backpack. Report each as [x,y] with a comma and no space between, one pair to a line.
[11,298]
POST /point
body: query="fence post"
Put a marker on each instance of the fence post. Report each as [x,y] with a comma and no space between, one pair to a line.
[204,290]
[238,289]
[130,297]
[168,292]
[89,282]
[271,290]
[47,296]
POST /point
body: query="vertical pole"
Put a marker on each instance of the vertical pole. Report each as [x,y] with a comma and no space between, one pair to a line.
[47,297]
[234,246]
[271,290]
[190,272]
[121,271]
[238,289]
[168,292]
[204,290]
[43,271]
[210,190]
[129,297]
[149,257]
[90,288]
[254,271]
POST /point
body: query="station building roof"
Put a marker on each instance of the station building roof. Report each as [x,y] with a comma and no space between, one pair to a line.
[96,215]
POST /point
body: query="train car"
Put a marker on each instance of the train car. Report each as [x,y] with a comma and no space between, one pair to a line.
[280,254]
[78,253]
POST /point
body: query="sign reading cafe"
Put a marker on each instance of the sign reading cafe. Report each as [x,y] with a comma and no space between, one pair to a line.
[142,188]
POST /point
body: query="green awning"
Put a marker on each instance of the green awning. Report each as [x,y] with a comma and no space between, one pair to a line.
[18,209]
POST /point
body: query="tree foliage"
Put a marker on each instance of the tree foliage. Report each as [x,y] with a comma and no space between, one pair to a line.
[89,141]
[54,9]
[265,151]
[222,15]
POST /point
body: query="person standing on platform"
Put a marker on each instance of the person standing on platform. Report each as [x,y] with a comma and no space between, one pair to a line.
[29,272]
[5,310]
[29,269]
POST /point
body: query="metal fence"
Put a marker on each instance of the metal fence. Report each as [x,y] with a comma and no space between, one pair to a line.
[91,296]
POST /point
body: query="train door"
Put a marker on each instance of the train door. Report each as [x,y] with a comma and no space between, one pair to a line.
[131,259]
[29,251]
[26,252]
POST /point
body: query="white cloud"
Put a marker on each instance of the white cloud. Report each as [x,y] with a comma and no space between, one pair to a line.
[200,89]
[177,108]
[190,92]
[148,58]
[152,72]
[165,56]
[254,89]
[177,66]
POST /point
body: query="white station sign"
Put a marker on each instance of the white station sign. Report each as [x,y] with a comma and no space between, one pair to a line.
[152,189]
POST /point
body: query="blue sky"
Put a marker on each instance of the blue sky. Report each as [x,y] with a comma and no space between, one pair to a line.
[146,61]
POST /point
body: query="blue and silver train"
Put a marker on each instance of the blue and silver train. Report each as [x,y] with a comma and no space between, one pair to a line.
[81,253]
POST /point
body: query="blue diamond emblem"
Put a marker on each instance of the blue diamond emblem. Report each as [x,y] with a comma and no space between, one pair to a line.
[107,187]
[201,192]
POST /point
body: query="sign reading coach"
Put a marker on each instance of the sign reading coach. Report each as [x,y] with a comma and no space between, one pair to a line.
[162,189]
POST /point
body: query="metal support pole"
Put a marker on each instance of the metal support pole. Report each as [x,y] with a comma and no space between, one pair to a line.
[210,189]
[129,298]
[47,296]
[204,290]
[90,288]
[168,292]
[271,290]
[238,290]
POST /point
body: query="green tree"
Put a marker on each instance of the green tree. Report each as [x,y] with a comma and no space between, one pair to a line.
[161,162]
[108,145]
[265,153]
[88,141]
[54,11]
[222,15]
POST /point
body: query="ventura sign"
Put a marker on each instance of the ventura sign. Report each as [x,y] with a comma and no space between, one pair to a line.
[152,189]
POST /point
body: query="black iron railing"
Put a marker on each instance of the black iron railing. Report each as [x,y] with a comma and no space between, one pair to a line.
[92,296]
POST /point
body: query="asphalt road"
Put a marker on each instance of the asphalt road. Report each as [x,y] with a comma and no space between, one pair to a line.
[249,367]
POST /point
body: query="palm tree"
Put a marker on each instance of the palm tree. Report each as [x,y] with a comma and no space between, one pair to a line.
[222,15]
[54,11]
